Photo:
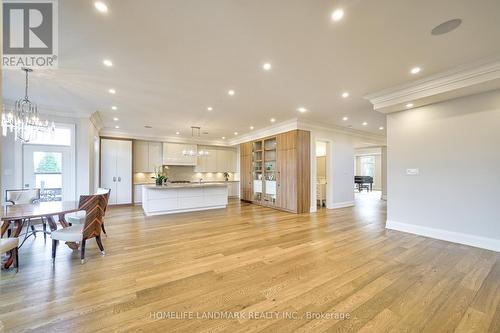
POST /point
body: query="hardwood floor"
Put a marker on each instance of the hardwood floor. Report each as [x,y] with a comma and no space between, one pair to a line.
[253,261]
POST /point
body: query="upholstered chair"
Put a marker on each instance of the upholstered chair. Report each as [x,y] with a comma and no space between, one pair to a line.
[94,207]
[10,244]
[79,216]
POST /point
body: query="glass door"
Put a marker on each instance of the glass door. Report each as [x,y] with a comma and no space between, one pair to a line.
[257,177]
[49,168]
[269,196]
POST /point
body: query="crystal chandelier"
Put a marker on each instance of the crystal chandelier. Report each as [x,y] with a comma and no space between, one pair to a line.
[24,120]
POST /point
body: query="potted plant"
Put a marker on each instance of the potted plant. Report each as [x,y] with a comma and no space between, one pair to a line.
[158,176]
[226,176]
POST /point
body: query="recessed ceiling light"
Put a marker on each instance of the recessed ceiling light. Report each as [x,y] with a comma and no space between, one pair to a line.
[302,109]
[117,127]
[267,66]
[115,119]
[272,120]
[409,105]
[345,94]
[251,127]
[223,138]
[114,108]
[210,108]
[415,70]
[365,123]
[112,91]
[235,133]
[381,128]
[107,63]
[231,92]
[337,15]
[101,6]
[177,133]
[345,118]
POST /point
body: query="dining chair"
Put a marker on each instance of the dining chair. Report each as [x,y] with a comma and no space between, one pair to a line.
[27,196]
[11,244]
[94,207]
[79,216]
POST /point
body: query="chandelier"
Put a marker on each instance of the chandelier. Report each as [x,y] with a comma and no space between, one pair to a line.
[24,120]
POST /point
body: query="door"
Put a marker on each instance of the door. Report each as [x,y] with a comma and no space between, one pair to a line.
[287,179]
[108,167]
[123,171]
[51,169]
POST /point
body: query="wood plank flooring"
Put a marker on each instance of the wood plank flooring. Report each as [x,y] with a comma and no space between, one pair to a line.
[259,269]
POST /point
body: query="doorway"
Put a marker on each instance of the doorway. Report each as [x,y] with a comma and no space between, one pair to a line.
[49,168]
[322,163]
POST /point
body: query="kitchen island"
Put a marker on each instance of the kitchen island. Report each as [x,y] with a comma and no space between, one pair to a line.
[179,198]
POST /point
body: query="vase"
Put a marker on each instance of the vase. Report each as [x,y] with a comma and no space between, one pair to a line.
[159,182]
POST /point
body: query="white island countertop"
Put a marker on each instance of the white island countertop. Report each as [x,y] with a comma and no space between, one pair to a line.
[183,197]
[185,185]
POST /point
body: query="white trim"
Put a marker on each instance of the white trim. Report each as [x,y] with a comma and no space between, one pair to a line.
[120,134]
[285,126]
[383,197]
[450,236]
[337,205]
[459,78]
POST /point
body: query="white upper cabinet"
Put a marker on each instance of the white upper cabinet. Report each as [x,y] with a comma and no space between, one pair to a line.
[217,160]
[147,156]
[174,154]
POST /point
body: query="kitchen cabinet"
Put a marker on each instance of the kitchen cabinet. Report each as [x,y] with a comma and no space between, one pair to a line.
[217,160]
[246,171]
[137,193]
[147,156]
[116,169]
[233,189]
[275,171]
[173,154]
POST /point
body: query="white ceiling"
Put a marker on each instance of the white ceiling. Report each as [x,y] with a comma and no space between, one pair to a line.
[172,59]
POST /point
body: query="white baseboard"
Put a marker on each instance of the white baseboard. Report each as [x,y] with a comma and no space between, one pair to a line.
[384,197]
[450,236]
[344,204]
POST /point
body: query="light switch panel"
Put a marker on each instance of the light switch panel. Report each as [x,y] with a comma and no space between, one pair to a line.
[412,172]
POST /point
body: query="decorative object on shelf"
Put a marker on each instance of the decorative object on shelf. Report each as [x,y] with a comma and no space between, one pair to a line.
[159,177]
[24,121]
[226,176]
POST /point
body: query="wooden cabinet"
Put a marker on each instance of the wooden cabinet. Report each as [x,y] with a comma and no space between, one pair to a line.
[179,154]
[275,171]
[147,156]
[116,169]
[246,171]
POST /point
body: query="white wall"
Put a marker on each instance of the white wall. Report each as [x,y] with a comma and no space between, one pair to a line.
[339,168]
[456,147]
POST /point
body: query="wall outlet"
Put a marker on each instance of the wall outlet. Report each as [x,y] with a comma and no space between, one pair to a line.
[412,172]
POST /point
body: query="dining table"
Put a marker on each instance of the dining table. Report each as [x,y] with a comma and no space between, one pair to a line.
[18,215]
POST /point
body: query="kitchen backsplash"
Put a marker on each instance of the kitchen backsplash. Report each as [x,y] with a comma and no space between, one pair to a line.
[183,173]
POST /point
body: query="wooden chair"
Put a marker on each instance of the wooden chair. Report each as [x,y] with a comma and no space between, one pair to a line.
[79,217]
[27,196]
[11,244]
[94,207]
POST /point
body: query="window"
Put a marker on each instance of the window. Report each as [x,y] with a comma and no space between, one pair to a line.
[367,165]
[48,174]
[60,137]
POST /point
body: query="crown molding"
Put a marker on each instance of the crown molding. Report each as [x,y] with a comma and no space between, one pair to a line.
[439,87]
[285,126]
[311,126]
[107,132]
[96,120]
